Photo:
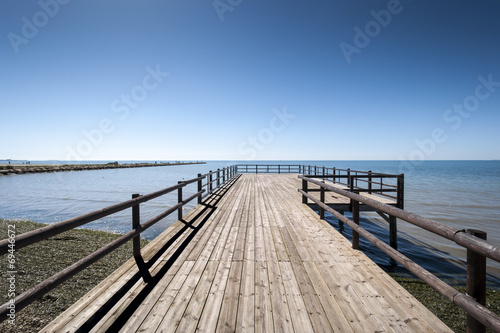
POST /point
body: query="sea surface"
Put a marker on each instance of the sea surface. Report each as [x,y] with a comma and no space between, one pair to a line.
[462,194]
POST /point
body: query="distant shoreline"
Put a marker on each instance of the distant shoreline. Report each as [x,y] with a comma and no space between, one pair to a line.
[19,169]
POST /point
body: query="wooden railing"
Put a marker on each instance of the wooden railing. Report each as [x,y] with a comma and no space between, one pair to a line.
[382,184]
[208,183]
[478,249]
[268,168]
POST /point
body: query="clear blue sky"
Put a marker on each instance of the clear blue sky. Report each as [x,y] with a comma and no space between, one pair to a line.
[241,79]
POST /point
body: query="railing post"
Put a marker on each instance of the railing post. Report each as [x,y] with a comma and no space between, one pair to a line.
[341,224]
[393,232]
[179,200]
[304,188]
[210,179]
[136,222]
[322,199]
[349,178]
[355,218]
[334,174]
[136,242]
[369,182]
[401,191]
[476,282]
[199,188]
[279,169]
[218,177]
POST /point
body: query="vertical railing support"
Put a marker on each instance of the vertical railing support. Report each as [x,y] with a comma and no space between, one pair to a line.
[136,222]
[322,199]
[304,188]
[218,178]
[393,232]
[136,242]
[199,188]
[401,191]
[355,218]
[179,200]
[476,282]
[349,179]
[369,182]
[210,181]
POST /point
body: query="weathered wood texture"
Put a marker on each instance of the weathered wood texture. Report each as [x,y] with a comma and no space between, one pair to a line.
[254,259]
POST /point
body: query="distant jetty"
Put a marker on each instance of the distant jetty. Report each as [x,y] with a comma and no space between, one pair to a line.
[42,168]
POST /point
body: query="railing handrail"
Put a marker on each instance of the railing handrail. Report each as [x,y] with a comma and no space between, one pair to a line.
[41,234]
[475,244]
[459,236]
[371,182]
[268,168]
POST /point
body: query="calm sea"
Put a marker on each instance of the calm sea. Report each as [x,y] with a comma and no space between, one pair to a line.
[462,194]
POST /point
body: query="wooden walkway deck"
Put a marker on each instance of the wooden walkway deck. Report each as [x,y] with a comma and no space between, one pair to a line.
[253,259]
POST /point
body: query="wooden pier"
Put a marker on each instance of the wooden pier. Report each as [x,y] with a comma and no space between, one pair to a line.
[251,257]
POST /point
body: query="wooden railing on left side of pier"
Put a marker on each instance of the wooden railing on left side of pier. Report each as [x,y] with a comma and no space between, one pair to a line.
[206,183]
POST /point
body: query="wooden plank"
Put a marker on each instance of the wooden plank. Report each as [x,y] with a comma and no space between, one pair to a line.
[155,316]
[298,309]
[280,312]
[246,303]
[174,314]
[196,304]
[263,308]
[333,311]
[313,304]
[209,318]
[229,308]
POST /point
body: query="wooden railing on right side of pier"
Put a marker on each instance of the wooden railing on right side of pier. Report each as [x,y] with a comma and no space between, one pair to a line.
[478,249]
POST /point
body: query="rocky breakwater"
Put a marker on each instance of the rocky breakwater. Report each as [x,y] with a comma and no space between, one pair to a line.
[16,169]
